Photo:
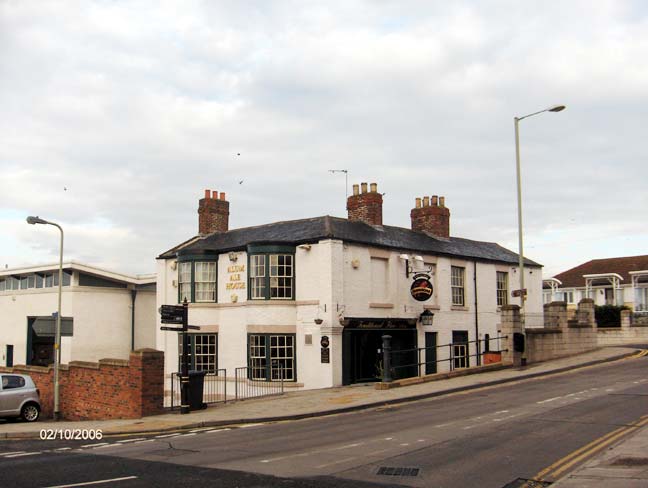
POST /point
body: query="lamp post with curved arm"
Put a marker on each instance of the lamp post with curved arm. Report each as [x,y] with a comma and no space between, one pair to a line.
[555,108]
[57,335]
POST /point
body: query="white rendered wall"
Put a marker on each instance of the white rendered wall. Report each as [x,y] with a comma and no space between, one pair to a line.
[333,281]
[102,321]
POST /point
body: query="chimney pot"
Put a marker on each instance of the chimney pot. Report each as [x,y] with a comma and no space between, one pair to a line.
[431,218]
[213,214]
[366,206]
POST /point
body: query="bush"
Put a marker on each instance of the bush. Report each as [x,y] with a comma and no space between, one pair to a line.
[608,315]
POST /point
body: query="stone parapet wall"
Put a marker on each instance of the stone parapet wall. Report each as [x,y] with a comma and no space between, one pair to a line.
[108,389]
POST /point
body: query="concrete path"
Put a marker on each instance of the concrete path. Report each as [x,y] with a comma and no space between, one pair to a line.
[622,466]
[312,403]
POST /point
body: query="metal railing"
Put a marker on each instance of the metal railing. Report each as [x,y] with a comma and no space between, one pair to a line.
[214,388]
[247,387]
[457,354]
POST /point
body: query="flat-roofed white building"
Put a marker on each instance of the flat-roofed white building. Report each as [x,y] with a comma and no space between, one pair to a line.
[104,314]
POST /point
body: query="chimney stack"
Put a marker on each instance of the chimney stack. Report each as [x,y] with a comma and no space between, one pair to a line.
[432,218]
[365,206]
[213,213]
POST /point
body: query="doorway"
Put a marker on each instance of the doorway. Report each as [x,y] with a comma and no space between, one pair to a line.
[362,357]
[460,356]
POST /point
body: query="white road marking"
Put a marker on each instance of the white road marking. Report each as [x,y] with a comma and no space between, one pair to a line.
[96,445]
[245,426]
[548,400]
[14,452]
[501,411]
[217,430]
[405,444]
[131,440]
[339,461]
[187,435]
[389,438]
[310,453]
[63,449]
[87,483]
[166,435]
[421,440]
[147,440]
[109,445]
[23,454]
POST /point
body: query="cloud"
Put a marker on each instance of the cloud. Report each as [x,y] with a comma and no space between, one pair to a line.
[116,115]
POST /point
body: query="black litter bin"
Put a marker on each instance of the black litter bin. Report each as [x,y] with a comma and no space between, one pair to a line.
[196,387]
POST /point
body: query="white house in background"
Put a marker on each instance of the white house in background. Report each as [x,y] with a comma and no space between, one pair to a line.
[105,314]
[313,297]
[611,281]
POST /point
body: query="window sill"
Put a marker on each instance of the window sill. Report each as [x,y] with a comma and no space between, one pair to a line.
[458,308]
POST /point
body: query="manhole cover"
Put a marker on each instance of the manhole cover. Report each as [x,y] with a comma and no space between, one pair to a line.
[630,461]
[396,471]
[526,483]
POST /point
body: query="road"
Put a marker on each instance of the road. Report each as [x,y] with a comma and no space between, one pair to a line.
[484,438]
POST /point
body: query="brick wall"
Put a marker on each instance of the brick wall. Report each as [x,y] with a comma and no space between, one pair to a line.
[109,389]
[432,217]
[559,337]
[213,213]
[365,206]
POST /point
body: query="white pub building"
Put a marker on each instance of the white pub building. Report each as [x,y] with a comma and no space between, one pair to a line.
[310,299]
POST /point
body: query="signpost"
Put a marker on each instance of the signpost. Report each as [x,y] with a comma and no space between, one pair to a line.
[518,293]
[179,315]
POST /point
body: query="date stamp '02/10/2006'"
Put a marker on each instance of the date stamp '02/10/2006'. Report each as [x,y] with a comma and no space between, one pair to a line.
[71,434]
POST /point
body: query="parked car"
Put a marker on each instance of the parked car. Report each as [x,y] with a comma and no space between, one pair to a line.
[19,397]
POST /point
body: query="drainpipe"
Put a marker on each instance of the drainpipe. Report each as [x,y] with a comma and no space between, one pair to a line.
[133,295]
[476,316]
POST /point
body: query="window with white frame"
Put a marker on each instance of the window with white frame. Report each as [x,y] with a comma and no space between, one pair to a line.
[281,275]
[272,276]
[205,281]
[271,357]
[197,281]
[257,276]
[184,282]
[203,352]
[457,282]
[502,288]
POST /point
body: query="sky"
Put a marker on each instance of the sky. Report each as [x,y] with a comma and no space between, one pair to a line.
[115,116]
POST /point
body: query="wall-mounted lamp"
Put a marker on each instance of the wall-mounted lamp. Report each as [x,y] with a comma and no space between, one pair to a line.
[427,317]
[417,260]
[233,256]
[305,247]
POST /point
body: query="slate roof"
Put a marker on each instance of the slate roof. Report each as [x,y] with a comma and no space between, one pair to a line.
[312,230]
[622,266]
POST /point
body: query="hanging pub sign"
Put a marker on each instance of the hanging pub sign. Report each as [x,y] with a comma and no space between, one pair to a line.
[421,288]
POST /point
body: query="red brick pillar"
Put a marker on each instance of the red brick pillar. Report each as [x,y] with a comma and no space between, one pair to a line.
[147,373]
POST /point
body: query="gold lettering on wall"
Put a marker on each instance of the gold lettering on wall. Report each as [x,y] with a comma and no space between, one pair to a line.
[235,281]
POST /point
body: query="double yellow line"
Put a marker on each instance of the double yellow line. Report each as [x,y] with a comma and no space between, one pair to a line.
[579,455]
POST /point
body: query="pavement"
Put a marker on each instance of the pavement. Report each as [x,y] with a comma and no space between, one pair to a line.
[625,464]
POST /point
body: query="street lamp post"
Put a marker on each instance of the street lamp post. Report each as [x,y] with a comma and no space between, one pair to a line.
[57,334]
[555,108]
